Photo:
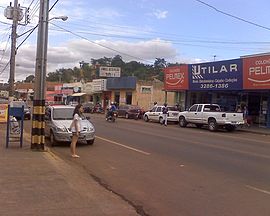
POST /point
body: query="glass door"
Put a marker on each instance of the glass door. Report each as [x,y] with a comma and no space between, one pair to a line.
[263,111]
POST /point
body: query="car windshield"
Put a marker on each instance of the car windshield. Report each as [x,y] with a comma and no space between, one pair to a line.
[172,109]
[63,113]
[211,108]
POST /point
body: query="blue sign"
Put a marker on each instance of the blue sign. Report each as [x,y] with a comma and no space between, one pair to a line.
[220,75]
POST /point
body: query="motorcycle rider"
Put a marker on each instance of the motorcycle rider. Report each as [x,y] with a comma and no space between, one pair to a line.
[111,109]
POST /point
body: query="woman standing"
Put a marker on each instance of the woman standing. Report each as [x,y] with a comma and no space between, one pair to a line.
[75,129]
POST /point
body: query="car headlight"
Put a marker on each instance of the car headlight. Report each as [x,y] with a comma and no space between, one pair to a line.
[91,129]
[61,129]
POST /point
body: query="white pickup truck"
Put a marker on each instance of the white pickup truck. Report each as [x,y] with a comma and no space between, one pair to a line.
[212,116]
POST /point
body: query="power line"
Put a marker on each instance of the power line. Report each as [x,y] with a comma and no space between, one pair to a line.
[173,40]
[5,67]
[109,48]
[181,42]
[5,48]
[5,23]
[233,16]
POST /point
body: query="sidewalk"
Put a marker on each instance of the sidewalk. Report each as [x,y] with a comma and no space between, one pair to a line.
[40,183]
[255,130]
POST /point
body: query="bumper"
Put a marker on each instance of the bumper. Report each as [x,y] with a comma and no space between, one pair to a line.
[233,123]
[66,137]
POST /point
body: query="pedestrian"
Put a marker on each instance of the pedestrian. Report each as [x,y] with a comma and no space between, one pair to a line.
[76,129]
[165,114]
[245,115]
[238,109]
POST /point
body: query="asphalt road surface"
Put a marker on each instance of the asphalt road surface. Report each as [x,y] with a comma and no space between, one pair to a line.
[178,171]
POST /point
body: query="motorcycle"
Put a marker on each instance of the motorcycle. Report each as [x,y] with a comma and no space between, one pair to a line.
[111,117]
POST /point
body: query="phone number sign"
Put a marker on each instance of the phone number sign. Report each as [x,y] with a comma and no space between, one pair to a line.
[220,75]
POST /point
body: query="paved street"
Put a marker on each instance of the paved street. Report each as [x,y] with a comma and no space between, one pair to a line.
[179,171]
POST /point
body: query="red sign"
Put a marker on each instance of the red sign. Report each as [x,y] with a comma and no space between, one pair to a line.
[176,78]
[256,72]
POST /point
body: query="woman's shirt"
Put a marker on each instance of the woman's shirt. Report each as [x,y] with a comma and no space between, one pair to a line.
[76,120]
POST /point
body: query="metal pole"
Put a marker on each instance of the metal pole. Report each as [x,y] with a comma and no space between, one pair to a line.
[13,50]
[38,123]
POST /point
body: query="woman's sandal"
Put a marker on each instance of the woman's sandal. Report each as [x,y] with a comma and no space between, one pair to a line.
[75,156]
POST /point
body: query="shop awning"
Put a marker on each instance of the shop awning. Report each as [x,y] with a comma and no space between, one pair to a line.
[78,94]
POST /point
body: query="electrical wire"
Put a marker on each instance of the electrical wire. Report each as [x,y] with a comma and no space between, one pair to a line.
[5,67]
[176,39]
[233,16]
[106,47]
[5,23]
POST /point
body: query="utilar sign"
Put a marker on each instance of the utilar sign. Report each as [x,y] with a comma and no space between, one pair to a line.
[220,75]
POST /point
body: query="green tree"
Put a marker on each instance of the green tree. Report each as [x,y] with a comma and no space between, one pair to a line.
[29,79]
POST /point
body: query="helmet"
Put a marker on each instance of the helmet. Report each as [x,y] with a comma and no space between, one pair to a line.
[112,103]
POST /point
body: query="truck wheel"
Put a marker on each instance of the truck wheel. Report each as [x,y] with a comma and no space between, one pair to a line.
[212,125]
[182,122]
[145,118]
[230,128]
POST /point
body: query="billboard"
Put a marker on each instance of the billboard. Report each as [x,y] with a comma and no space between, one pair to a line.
[3,113]
[220,75]
[176,78]
[109,71]
[256,72]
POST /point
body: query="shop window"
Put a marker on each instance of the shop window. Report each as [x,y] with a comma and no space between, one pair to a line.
[128,97]
[117,97]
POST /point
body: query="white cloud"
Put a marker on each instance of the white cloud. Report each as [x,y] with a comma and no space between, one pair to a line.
[69,54]
[160,14]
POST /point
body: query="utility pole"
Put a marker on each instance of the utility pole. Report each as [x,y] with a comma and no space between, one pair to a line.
[13,50]
[38,123]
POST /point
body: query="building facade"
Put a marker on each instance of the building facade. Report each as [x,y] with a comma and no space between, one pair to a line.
[237,82]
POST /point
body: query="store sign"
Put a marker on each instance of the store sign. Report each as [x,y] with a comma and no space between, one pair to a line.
[99,85]
[109,71]
[221,75]
[176,78]
[256,72]
[3,113]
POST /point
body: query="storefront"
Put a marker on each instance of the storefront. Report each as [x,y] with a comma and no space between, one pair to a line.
[122,89]
[231,83]
[176,80]
[256,82]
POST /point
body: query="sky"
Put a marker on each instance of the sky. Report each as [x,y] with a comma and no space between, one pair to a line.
[182,31]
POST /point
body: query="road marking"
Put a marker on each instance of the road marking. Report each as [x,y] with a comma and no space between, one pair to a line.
[119,144]
[258,189]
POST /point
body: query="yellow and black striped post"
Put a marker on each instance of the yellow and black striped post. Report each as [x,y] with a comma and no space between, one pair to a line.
[38,125]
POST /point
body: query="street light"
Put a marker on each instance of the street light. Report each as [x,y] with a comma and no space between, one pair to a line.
[64,18]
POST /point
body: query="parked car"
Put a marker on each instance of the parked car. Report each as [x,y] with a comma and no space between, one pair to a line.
[27,112]
[155,114]
[58,119]
[88,107]
[73,103]
[212,116]
[130,111]
[98,109]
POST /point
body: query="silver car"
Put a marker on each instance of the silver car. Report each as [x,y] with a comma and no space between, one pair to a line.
[58,119]
[155,114]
